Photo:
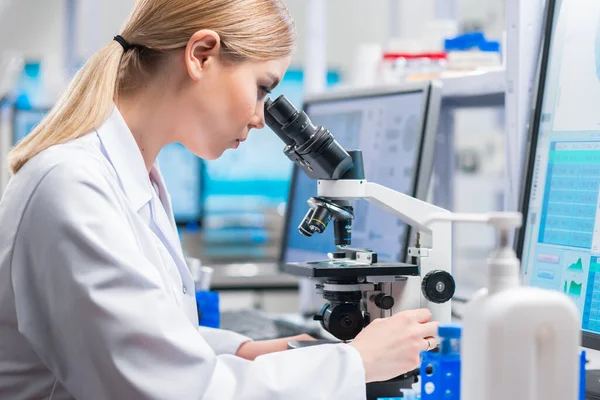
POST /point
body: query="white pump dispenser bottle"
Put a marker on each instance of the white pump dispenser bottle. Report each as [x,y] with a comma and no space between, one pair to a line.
[518,342]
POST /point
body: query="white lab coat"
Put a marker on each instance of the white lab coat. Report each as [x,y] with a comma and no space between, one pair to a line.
[96,301]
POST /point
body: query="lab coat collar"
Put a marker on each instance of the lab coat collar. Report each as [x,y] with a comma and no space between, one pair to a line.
[164,196]
[126,158]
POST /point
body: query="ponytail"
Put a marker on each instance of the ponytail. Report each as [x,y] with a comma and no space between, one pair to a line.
[84,107]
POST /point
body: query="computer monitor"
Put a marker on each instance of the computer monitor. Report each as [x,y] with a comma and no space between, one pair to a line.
[24,120]
[559,245]
[395,128]
[182,172]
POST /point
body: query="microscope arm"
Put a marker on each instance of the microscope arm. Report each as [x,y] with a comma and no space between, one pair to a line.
[419,214]
[431,222]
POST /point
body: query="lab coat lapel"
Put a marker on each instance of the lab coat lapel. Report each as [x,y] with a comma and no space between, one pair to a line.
[123,153]
[162,213]
[164,196]
[167,233]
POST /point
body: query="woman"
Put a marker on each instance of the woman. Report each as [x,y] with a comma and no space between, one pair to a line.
[96,301]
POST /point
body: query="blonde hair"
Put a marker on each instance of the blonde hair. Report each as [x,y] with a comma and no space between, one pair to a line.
[249,30]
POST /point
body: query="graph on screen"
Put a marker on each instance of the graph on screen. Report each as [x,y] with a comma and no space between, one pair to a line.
[576,267]
[571,194]
[574,289]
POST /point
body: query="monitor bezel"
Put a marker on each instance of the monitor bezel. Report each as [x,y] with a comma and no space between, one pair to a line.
[589,340]
[429,122]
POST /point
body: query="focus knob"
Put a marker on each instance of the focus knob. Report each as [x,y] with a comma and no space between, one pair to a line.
[438,286]
[383,301]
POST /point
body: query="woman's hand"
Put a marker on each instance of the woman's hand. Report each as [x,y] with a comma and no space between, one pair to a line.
[251,350]
[392,346]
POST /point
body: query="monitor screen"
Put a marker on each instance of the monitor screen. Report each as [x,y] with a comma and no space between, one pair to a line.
[182,172]
[24,121]
[389,130]
[560,243]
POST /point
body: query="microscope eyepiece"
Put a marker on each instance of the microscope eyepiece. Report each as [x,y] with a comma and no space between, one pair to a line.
[276,126]
[282,110]
[312,148]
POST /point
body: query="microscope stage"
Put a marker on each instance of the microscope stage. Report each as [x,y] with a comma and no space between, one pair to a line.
[348,269]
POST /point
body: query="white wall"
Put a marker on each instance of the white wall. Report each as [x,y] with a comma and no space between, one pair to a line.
[36,27]
[99,21]
[351,22]
[32,27]
[490,12]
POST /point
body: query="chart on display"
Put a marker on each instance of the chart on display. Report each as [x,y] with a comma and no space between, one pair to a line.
[571,194]
[561,241]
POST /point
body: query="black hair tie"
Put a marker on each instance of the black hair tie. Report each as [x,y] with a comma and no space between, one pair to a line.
[126,46]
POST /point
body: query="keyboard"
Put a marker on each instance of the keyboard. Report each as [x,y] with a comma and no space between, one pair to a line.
[258,326]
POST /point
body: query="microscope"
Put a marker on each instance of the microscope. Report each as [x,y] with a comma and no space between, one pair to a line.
[357,285]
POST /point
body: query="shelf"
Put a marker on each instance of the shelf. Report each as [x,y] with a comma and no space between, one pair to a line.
[474,84]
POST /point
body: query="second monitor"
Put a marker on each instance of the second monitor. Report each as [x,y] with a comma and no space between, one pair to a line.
[395,128]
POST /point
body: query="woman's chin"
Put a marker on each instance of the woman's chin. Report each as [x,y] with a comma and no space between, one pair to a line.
[211,156]
[208,155]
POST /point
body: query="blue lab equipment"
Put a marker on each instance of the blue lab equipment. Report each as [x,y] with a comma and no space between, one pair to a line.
[471,41]
[29,93]
[440,372]
[208,308]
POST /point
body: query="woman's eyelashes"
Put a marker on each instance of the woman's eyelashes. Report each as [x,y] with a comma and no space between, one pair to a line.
[263,91]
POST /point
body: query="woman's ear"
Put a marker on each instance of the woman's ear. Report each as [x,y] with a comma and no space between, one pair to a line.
[203,47]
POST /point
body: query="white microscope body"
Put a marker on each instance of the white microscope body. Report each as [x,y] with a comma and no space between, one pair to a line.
[357,286]
[433,251]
